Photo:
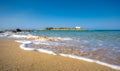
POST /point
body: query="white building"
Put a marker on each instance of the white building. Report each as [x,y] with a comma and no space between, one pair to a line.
[77,27]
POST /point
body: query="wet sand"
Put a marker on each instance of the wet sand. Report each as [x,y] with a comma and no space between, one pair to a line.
[12,58]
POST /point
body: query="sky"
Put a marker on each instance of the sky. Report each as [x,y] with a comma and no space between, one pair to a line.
[35,14]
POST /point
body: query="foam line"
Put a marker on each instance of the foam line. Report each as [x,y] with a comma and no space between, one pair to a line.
[91,60]
[23,36]
[47,51]
[25,44]
[24,41]
[76,57]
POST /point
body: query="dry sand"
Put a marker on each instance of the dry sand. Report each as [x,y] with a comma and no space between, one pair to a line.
[12,58]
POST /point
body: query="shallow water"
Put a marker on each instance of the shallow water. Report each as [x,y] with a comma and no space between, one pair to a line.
[99,45]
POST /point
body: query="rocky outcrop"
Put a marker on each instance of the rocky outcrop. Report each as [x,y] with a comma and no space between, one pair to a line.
[17,30]
[63,28]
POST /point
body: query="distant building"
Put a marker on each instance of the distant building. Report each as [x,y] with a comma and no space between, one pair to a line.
[77,27]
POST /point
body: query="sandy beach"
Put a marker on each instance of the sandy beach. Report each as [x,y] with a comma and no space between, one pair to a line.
[12,58]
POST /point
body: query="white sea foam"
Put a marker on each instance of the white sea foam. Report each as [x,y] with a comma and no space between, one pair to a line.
[91,60]
[23,36]
[47,51]
[17,35]
[26,43]
[48,43]
[61,38]
[76,57]
[6,34]
[23,41]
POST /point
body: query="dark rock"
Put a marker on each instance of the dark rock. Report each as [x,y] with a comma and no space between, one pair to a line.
[1,31]
[18,30]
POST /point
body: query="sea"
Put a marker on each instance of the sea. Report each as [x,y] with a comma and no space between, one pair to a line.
[98,46]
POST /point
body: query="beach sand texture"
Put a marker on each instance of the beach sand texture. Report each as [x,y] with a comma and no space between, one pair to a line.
[12,58]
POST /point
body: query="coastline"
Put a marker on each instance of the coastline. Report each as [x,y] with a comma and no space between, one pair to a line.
[13,58]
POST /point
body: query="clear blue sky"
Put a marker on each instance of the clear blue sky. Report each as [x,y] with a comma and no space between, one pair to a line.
[34,14]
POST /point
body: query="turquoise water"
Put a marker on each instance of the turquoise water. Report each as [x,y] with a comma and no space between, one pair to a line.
[94,39]
[103,45]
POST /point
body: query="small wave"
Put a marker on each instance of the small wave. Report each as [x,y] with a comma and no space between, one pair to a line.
[49,43]
[61,38]
[41,38]
[24,41]
[23,36]
[6,34]
[17,35]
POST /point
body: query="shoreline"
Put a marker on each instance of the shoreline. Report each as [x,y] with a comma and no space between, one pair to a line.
[24,47]
[13,58]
